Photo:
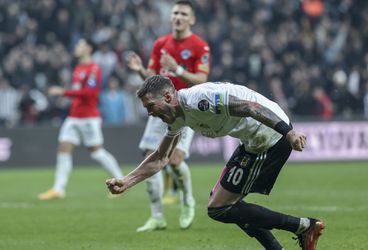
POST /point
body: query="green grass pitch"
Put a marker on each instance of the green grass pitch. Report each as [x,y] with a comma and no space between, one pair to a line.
[87,219]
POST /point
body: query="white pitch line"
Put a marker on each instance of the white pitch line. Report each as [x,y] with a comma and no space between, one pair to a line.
[15,205]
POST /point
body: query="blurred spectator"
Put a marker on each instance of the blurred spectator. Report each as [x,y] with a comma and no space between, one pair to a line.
[113,103]
[324,103]
[272,45]
[33,105]
[9,100]
[106,59]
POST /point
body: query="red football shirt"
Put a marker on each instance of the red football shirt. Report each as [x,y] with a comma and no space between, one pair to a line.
[85,90]
[192,53]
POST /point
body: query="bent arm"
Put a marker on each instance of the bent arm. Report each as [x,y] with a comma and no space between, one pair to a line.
[243,108]
[148,167]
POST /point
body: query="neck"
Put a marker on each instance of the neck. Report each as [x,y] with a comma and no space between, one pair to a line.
[85,59]
[178,110]
[178,35]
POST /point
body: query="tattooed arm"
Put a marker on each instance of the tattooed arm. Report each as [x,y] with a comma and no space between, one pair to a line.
[243,108]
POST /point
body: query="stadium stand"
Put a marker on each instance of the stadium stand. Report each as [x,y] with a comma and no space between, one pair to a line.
[311,59]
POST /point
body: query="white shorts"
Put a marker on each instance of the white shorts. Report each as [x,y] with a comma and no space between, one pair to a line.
[156,129]
[85,130]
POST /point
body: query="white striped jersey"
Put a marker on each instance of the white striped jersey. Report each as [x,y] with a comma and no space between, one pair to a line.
[205,108]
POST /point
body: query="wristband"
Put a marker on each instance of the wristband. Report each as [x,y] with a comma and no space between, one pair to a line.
[282,127]
[179,70]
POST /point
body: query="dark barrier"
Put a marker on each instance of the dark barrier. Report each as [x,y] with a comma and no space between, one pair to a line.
[37,146]
[23,147]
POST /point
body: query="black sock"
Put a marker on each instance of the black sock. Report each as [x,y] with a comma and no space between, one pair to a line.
[265,237]
[248,214]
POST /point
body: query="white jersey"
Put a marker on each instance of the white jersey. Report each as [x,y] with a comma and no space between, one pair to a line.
[206,111]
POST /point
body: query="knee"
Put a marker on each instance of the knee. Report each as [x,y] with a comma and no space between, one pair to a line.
[222,214]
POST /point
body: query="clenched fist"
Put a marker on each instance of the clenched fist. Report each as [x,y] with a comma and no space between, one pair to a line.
[116,186]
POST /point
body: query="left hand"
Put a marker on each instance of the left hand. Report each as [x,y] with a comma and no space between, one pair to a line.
[168,62]
[56,90]
[116,186]
[297,140]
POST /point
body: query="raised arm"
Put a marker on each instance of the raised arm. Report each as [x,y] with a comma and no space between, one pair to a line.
[243,108]
[135,63]
[148,167]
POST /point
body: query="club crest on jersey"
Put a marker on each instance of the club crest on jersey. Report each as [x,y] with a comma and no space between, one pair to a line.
[203,105]
[185,54]
[244,162]
[91,82]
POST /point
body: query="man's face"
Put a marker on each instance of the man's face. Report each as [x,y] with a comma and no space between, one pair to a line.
[159,106]
[81,48]
[182,17]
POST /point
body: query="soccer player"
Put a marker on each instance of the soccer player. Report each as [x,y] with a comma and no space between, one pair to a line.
[83,123]
[184,58]
[267,139]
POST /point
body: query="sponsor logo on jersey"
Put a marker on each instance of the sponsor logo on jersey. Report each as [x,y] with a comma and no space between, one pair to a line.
[219,105]
[203,105]
[210,134]
[185,54]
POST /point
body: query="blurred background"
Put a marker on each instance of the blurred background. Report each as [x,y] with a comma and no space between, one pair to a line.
[309,56]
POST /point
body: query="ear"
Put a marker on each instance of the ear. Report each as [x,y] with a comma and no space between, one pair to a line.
[192,20]
[167,96]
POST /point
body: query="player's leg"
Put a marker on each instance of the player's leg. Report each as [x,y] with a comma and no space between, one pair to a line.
[246,173]
[68,137]
[93,139]
[155,188]
[182,177]
[154,132]
[170,187]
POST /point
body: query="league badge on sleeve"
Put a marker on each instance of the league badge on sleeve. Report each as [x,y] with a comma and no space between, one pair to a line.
[203,105]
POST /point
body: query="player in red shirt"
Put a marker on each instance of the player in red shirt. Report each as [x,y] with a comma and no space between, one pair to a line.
[83,123]
[185,59]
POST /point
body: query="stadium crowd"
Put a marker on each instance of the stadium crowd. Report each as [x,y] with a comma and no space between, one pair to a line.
[309,56]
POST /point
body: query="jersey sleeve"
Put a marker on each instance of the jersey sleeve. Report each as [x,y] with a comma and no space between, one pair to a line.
[202,63]
[154,61]
[208,100]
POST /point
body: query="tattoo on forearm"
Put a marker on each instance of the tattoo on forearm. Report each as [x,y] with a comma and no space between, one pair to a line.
[260,113]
